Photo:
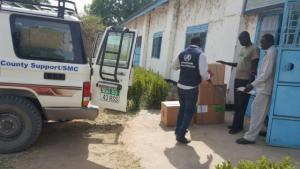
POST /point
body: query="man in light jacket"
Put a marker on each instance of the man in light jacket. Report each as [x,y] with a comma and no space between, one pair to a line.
[263,85]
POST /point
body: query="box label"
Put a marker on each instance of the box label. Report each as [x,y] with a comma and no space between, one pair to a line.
[219,109]
[202,109]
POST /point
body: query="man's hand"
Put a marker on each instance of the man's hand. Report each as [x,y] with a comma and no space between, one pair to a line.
[221,61]
[209,81]
[248,88]
[211,73]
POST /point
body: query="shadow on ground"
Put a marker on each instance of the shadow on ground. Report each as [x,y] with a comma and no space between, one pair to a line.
[211,145]
[75,145]
[217,138]
[180,155]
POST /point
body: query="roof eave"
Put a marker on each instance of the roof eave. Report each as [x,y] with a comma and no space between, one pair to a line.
[147,9]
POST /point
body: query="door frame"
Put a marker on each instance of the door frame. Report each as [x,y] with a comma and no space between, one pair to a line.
[281,48]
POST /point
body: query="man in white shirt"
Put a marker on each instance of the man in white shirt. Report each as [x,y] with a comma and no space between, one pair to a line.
[193,70]
[263,85]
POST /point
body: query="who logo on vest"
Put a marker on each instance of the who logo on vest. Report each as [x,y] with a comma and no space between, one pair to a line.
[187,58]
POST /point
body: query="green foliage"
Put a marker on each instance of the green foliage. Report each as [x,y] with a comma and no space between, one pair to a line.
[263,163]
[115,11]
[225,165]
[148,89]
[91,26]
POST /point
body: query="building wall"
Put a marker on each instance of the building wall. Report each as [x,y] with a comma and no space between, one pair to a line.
[225,22]
[247,23]
[139,25]
[158,23]
[223,19]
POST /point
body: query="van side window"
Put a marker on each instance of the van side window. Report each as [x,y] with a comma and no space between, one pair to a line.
[47,40]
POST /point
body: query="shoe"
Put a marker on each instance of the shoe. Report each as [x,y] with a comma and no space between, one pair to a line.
[183,140]
[263,133]
[244,141]
[230,127]
[235,131]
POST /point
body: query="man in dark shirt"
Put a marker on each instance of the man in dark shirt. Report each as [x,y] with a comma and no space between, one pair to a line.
[245,73]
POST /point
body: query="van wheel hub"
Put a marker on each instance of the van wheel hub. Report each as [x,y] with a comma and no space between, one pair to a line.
[10,125]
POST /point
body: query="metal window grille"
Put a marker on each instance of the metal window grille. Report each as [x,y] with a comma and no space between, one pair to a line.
[292,30]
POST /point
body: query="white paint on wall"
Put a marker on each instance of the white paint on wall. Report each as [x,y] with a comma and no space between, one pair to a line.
[225,21]
[158,23]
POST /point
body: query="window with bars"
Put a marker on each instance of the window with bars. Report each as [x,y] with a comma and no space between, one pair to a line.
[270,24]
[197,31]
[292,31]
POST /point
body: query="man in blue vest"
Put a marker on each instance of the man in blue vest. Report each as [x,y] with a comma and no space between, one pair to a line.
[193,69]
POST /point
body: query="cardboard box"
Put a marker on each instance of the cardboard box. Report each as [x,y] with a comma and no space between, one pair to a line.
[210,114]
[219,74]
[169,112]
[212,94]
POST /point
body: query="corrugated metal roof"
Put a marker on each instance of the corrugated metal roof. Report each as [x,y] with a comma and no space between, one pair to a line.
[148,8]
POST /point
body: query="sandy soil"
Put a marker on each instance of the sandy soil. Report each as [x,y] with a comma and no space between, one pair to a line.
[156,147]
[77,145]
[129,141]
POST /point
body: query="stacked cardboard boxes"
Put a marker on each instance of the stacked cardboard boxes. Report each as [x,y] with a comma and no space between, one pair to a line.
[211,101]
[212,98]
[219,74]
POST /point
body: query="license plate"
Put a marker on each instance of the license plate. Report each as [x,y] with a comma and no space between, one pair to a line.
[108,94]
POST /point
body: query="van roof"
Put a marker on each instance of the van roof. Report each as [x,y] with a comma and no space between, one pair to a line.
[43,10]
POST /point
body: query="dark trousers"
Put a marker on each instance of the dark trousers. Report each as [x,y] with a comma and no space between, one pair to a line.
[187,100]
[241,100]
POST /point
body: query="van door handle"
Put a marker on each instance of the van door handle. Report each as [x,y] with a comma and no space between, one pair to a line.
[55,76]
[289,67]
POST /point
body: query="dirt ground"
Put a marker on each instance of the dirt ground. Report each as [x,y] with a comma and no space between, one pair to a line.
[130,141]
[78,145]
[211,145]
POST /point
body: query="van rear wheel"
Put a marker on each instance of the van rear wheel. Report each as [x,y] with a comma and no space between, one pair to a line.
[20,124]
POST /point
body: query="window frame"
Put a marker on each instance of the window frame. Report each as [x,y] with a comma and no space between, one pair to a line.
[138,44]
[77,41]
[196,29]
[157,36]
[129,58]
[258,33]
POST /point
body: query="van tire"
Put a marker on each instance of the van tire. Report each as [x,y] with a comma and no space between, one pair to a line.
[20,124]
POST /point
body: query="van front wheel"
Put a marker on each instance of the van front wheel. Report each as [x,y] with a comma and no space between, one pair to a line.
[20,123]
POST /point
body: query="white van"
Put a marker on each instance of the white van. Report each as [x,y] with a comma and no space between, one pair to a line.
[45,75]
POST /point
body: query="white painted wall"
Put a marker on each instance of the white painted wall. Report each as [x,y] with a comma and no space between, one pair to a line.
[158,23]
[138,24]
[225,21]
[223,18]
[248,23]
